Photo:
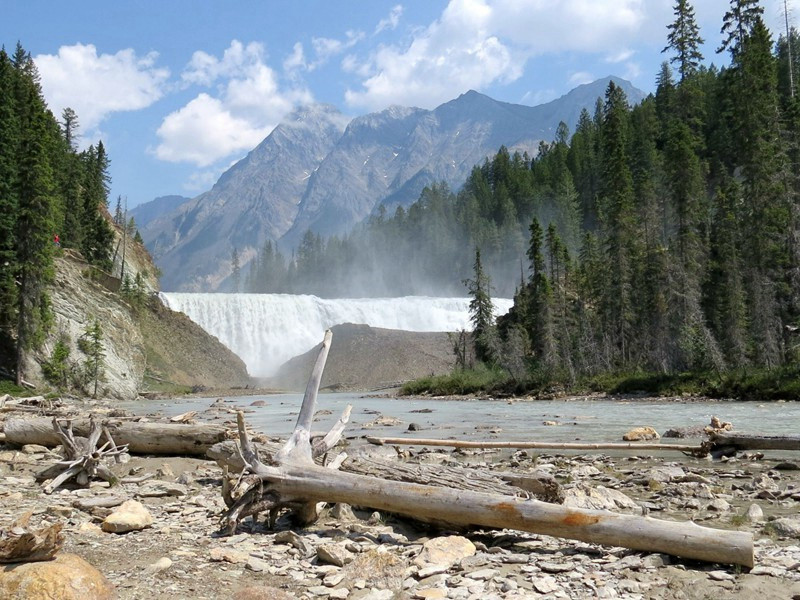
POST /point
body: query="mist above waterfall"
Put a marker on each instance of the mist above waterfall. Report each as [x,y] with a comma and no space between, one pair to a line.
[266,330]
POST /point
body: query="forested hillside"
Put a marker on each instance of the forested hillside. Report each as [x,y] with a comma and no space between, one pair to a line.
[51,197]
[661,237]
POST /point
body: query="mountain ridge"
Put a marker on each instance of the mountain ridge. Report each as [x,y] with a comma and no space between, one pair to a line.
[321,171]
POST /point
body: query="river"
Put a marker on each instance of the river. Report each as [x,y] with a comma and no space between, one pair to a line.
[582,419]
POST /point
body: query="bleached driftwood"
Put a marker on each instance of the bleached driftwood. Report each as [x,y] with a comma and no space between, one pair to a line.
[84,460]
[163,439]
[405,441]
[291,478]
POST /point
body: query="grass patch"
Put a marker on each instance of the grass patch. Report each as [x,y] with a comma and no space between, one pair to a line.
[7,386]
[457,383]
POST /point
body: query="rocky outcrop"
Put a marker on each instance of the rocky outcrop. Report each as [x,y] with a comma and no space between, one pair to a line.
[78,298]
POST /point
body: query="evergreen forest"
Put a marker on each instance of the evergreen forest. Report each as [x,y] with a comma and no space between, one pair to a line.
[660,238]
[52,197]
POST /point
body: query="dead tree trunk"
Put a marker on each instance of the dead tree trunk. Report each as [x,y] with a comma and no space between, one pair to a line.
[84,460]
[294,480]
[141,438]
[743,441]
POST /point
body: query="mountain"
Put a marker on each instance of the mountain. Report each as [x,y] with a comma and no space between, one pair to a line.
[317,172]
[150,211]
[255,200]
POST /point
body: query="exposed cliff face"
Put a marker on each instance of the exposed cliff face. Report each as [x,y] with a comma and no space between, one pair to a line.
[77,300]
[145,347]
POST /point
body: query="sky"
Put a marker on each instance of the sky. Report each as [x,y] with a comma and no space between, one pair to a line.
[179,90]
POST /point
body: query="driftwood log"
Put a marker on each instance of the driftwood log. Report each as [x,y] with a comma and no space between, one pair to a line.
[164,439]
[539,485]
[744,441]
[290,478]
[84,460]
[699,450]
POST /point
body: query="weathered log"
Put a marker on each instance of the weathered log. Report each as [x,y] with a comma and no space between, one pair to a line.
[542,486]
[744,441]
[538,445]
[141,438]
[292,478]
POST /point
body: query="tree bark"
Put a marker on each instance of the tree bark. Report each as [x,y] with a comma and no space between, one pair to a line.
[293,479]
[142,438]
[743,441]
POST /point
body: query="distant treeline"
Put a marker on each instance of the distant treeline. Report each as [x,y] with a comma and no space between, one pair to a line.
[51,196]
[664,236]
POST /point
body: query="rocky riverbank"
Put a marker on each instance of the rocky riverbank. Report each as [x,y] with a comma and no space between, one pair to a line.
[361,555]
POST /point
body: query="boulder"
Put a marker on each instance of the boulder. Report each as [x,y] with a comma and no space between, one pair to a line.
[130,516]
[66,577]
[640,434]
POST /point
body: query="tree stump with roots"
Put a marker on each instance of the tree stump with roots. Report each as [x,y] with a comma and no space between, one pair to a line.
[83,460]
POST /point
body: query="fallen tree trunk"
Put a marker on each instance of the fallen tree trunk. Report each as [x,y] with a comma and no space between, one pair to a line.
[695,450]
[542,486]
[743,441]
[292,479]
[141,438]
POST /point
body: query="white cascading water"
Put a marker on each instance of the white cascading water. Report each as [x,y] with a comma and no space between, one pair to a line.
[266,330]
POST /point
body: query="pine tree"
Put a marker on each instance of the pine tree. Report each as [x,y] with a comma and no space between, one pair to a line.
[34,223]
[236,272]
[684,40]
[481,310]
[91,344]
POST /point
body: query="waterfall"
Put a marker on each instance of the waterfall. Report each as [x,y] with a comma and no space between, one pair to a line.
[266,330]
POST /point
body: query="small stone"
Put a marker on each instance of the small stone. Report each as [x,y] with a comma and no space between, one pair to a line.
[483,574]
[162,564]
[375,518]
[333,554]
[34,449]
[550,567]
[165,471]
[59,511]
[291,538]
[719,505]
[333,579]
[755,514]
[130,516]
[229,555]
[414,427]
[545,585]
[87,528]
[256,565]
[160,489]
[445,551]
[340,594]
[720,576]
[430,593]
[639,434]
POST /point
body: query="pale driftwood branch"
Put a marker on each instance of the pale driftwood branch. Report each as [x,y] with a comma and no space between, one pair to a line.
[403,441]
[332,438]
[295,481]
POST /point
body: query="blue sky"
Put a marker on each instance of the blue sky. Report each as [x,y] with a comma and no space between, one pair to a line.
[178,90]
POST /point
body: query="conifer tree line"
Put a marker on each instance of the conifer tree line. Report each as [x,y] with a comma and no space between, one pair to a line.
[663,236]
[51,196]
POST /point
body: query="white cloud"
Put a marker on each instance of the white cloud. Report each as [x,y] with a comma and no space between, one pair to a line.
[391,21]
[475,43]
[326,48]
[620,56]
[241,111]
[581,77]
[296,60]
[95,86]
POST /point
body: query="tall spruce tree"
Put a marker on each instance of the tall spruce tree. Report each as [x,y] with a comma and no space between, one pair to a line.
[481,310]
[684,40]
